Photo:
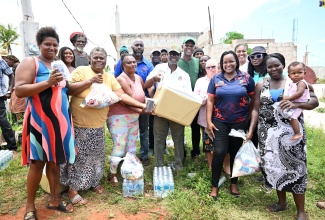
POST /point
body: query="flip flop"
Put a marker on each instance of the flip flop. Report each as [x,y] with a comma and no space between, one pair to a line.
[62,207]
[275,207]
[30,215]
[78,200]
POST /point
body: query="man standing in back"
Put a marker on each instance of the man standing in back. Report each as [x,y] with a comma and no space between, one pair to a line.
[79,41]
[191,65]
[144,67]
[164,55]
[5,93]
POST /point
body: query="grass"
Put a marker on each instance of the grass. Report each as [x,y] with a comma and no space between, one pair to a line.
[190,199]
[320,110]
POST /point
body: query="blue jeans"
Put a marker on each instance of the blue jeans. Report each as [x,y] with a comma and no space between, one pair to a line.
[6,128]
[144,135]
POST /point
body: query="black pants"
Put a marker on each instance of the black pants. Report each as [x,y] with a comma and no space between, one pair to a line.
[6,128]
[222,144]
[196,137]
[151,139]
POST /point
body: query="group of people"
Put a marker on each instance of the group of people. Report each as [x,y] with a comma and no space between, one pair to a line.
[69,139]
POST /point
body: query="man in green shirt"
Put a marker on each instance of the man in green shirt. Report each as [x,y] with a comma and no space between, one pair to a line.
[191,65]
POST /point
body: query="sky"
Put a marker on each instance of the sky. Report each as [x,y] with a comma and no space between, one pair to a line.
[255,19]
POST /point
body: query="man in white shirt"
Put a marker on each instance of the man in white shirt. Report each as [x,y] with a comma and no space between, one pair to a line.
[169,74]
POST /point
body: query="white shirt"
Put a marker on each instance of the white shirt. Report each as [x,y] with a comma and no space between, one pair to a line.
[178,78]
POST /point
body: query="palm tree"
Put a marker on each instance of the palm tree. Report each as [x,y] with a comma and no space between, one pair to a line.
[8,35]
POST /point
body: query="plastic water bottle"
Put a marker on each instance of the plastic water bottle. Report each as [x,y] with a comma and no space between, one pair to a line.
[166,187]
[160,187]
[155,185]
[5,158]
[221,181]
[131,188]
[171,184]
[140,187]
[125,188]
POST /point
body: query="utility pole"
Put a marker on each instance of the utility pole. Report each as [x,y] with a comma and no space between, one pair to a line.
[305,58]
[28,30]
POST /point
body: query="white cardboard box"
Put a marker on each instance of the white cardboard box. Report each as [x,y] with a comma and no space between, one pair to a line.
[177,104]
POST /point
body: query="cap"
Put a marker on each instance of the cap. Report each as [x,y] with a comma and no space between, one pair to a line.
[155,50]
[124,48]
[3,53]
[187,39]
[197,50]
[163,50]
[74,33]
[174,48]
[258,49]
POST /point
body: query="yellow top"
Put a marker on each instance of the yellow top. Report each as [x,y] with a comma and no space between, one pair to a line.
[89,117]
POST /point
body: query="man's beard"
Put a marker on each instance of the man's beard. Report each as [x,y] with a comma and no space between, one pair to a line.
[80,49]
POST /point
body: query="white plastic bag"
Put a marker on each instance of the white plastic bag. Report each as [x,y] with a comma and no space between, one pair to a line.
[59,64]
[100,96]
[247,160]
[131,168]
[284,113]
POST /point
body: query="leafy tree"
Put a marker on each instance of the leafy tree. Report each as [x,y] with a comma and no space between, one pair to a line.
[233,35]
[8,36]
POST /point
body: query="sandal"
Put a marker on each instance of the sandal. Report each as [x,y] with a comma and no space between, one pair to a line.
[62,207]
[98,189]
[30,215]
[113,181]
[320,205]
[78,200]
[276,207]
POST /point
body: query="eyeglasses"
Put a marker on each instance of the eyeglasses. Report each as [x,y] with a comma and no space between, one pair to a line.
[255,56]
[210,67]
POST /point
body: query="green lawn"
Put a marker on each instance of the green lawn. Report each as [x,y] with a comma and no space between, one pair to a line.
[190,200]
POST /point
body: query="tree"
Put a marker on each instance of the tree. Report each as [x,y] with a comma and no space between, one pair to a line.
[231,36]
[8,36]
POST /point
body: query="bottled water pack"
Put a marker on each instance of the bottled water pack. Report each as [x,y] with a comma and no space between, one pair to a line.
[5,157]
[132,187]
[163,181]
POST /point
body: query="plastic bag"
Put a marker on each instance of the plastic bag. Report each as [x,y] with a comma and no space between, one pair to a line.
[59,64]
[100,96]
[247,160]
[131,168]
[284,113]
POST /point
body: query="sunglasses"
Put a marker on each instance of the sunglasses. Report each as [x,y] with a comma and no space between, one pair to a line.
[210,67]
[256,56]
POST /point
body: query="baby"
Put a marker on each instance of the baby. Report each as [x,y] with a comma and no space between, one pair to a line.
[298,91]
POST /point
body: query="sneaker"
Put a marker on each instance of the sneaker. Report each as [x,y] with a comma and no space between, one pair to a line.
[150,152]
[145,161]
[166,151]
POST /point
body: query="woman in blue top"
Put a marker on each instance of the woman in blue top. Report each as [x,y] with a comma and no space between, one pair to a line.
[227,108]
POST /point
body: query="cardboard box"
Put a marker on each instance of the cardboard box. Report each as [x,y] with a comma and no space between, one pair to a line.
[45,183]
[177,104]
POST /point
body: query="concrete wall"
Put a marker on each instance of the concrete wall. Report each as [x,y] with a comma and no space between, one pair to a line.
[213,49]
[287,49]
[151,40]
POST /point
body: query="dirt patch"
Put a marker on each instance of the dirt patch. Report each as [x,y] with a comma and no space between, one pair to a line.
[89,212]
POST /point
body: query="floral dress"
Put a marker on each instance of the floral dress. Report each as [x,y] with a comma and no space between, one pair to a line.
[283,160]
